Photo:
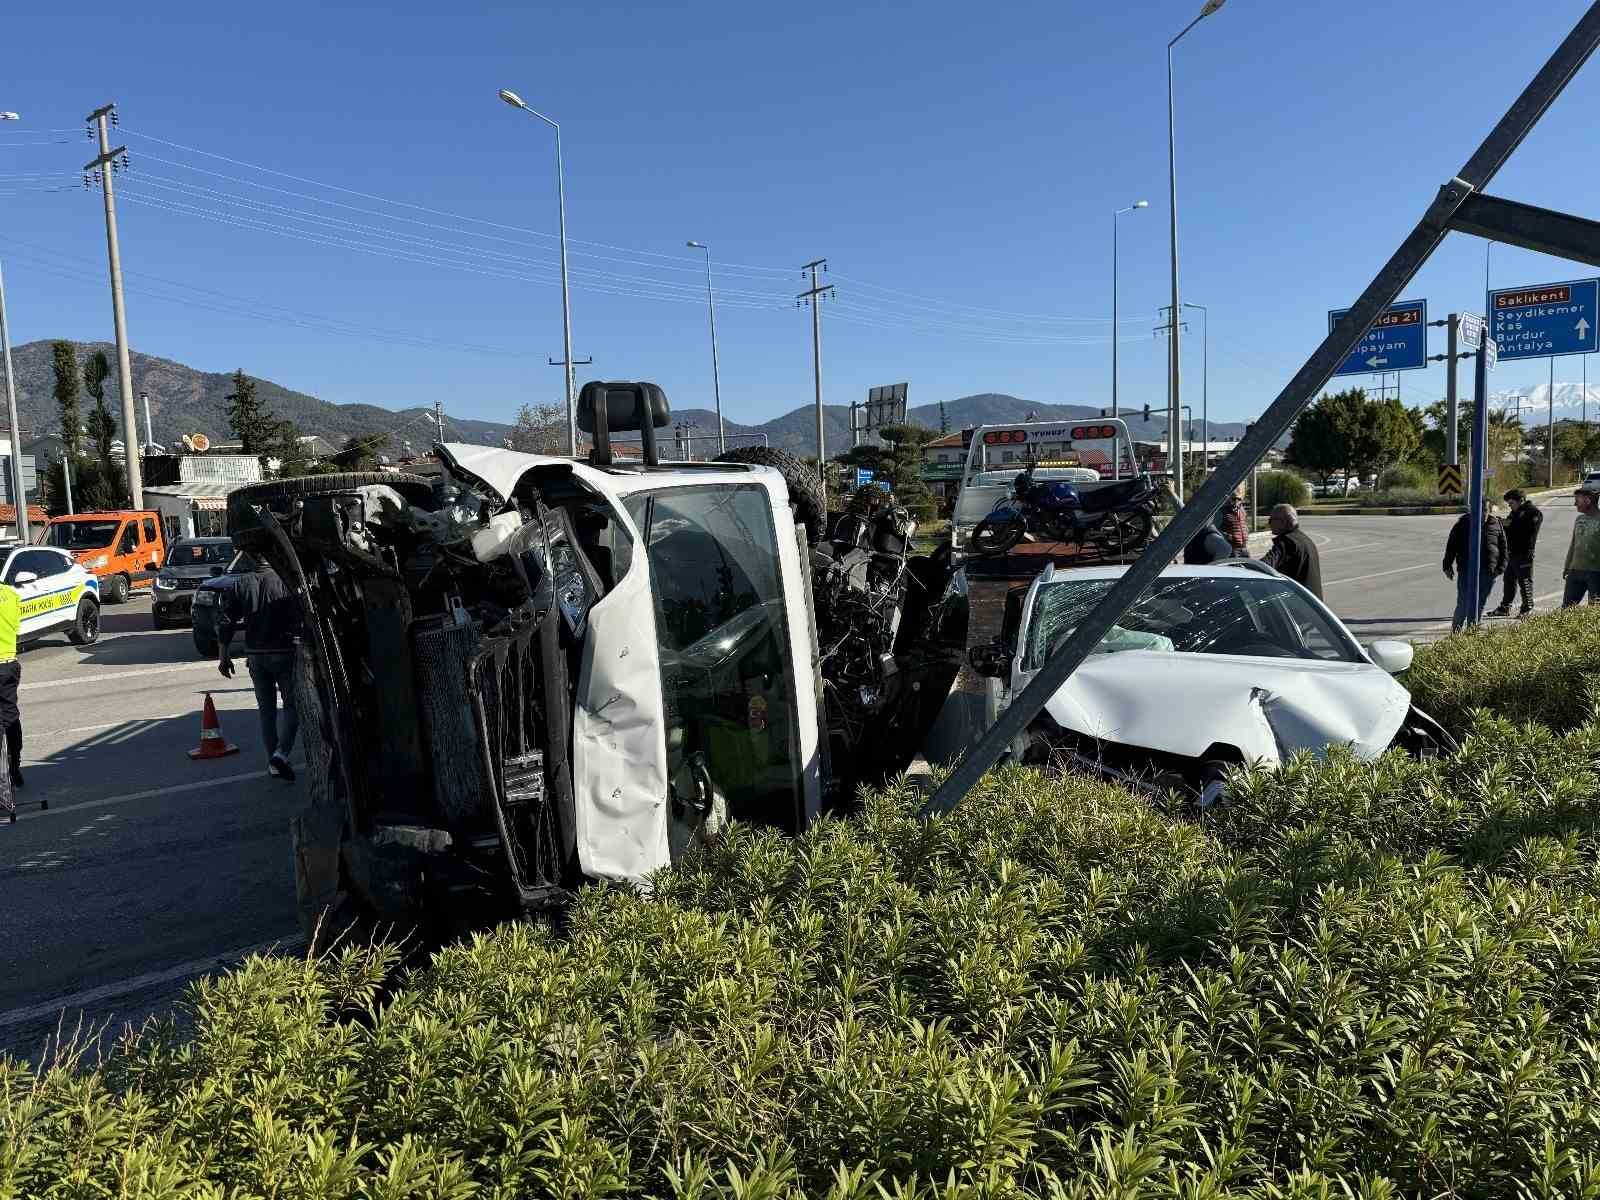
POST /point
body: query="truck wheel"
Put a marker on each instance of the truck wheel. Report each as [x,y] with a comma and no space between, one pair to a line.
[279,493]
[805,489]
[117,589]
[85,628]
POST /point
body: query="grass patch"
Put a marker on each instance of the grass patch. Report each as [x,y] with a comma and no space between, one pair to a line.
[1544,669]
[1354,980]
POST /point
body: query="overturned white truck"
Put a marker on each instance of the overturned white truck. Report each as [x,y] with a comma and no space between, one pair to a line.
[536,671]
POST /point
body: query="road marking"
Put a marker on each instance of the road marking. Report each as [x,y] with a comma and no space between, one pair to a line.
[1357,546]
[107,725]
[1378,574]
[153,794]
[106,676]
[292,943]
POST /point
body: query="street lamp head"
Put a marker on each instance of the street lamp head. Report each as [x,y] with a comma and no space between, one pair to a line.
[1141,204]
[1211,6]
[695,245]
[512,98]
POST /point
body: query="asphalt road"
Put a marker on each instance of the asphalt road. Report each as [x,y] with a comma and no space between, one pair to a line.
[145,863]
[149,869]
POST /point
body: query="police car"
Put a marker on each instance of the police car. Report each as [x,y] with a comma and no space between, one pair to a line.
[58,596]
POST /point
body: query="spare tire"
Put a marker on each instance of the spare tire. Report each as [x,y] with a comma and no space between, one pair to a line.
[805,488]
[279,494]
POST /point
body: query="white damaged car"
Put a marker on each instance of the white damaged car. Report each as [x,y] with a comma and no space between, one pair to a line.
[1214,667]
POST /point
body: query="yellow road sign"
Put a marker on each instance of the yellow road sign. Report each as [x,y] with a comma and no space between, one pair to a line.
[1450,479]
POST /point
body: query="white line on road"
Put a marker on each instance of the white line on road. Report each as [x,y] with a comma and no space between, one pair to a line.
[1357,546]
[289,944]
[105,676]
[1378,574]
[152,794]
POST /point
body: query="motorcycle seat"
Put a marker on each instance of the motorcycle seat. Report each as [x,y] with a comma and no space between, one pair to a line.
[1113,495]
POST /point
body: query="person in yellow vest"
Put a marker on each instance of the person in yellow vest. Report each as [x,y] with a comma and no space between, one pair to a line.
[10,678]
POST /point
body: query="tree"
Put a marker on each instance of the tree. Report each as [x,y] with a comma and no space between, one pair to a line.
[360,452]
[944,420]
[285,448]
[255,427]
[94,486]
[1385,435]
[539,429]
[64,362]
[102,425]
[1323,438]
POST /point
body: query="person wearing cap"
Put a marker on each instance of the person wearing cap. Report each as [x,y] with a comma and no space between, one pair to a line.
[1491,563]
[1522,535]
[1581,570]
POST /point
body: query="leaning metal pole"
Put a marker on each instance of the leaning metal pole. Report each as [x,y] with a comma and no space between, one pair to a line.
[1395,275]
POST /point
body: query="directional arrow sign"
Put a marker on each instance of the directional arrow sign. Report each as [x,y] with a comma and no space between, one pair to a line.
[1397,341]
[1546,320]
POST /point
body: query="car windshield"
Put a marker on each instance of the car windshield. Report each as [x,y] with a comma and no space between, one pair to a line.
[1232,614]
[81,535]
[200,554]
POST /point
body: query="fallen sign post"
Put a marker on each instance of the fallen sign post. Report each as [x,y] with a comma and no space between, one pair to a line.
[1458,205]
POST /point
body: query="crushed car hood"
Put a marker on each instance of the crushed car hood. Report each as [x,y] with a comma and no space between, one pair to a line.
[1266,708]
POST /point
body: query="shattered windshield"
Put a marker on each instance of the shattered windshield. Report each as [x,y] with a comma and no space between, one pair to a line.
[1234,614]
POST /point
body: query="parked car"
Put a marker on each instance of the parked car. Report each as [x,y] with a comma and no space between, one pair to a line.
[123,549]
[58,595]
[189,563]
[1215,666]
[205,611]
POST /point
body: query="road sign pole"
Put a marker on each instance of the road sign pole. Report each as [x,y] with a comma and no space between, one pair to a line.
[1480,480]
[1451,412]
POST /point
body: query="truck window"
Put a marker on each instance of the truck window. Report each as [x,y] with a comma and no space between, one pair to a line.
[726,669]
[149,531]
[129,540]
[81,535]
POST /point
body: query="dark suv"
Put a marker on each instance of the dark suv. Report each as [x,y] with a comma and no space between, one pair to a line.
[189,563]
[209,598]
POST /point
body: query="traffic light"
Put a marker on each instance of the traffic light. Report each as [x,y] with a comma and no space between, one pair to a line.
[1146,412]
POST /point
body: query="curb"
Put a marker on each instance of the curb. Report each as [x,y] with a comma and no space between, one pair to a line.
[1424,510]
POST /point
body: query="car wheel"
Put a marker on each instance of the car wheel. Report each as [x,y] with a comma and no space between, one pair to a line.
[205,647]
[85,629]
[244,525]
[117,589]
[805,489]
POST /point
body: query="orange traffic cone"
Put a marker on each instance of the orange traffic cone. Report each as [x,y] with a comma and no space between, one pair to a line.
[212,743]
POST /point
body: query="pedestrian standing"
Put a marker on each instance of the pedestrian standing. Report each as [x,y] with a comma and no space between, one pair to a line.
[1582,567]
[1522,535]
[260,602]
[1207,546]
[10,680]
[1292,553]
[1471,595]
[1231,521]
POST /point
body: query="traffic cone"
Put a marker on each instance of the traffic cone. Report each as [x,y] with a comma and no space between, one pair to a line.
[212,743]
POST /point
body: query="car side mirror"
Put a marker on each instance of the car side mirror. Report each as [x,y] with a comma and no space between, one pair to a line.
[990,660]
[1393,657]
[23,577]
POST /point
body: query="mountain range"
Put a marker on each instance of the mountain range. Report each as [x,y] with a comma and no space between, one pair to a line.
[184,400]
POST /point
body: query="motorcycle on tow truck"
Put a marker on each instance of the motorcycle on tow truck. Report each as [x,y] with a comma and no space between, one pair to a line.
[1114,520]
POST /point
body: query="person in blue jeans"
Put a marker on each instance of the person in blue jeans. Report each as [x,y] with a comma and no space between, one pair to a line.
[1582,567]
[270,615]
[1492,555]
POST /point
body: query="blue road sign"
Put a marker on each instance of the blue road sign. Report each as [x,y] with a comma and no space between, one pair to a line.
[1546,320]
[1397,341]
[863,477]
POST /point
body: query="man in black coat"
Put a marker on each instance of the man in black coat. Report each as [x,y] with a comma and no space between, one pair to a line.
[1522,535]
[1292,553]
[1491,562]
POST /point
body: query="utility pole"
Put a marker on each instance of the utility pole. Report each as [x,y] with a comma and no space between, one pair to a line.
[814,298]
[107,163]
[16,429]
[566,364]
[1452,403]
[1174,411]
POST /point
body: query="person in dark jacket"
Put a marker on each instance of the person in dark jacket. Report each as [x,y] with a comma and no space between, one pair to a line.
[270,615]
[1231,521]
[1292,553]
[1522,535]
[1207,546]
[1491,563]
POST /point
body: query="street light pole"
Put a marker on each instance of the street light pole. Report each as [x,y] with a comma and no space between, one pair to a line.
[1115,374]
[21,492]
[716,377]
[1205,384]
[1174,358]
[515,101]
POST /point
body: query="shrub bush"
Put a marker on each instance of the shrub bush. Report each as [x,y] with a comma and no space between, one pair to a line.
[1352,980]
[1544,668]
[1281,487]
[1406,477]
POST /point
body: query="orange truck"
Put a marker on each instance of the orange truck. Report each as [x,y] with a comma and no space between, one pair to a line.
[124,548]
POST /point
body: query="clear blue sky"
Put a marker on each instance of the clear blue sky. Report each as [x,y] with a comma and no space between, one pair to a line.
[955,163]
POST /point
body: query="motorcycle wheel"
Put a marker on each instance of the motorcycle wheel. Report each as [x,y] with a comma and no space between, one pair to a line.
[1126,532]
[996,536]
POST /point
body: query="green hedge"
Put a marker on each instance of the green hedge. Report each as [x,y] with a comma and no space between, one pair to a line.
[1544,668]
[1353,980]
[1281,487]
